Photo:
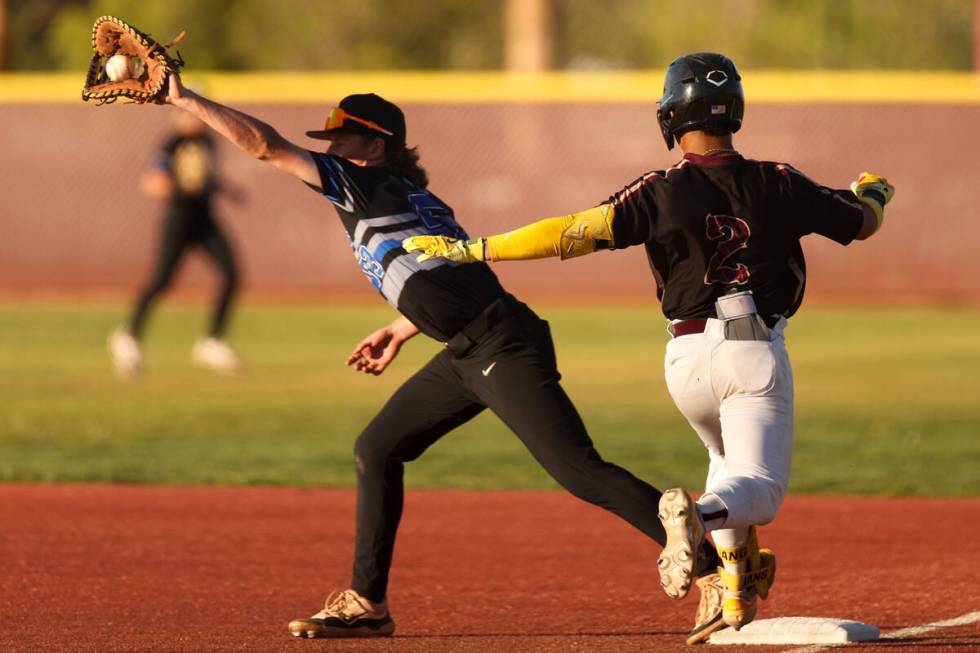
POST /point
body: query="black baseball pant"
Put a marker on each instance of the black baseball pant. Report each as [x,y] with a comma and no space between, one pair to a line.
[510,369]
[182,229]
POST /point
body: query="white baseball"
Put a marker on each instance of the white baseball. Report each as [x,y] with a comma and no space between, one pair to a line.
[119,67]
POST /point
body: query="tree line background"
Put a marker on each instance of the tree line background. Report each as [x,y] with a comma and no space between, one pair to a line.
[469,34]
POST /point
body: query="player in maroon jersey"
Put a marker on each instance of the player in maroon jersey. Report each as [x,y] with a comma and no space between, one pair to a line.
[722,234]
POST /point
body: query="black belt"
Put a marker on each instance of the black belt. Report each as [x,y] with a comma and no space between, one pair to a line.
[479,326]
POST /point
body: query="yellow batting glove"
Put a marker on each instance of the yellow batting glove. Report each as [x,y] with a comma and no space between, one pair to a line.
[874,191]
[451,249]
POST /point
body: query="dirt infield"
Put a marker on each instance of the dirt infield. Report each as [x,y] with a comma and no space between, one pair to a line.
[94,568]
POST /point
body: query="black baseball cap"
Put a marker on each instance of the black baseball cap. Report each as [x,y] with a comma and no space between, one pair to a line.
[364,113]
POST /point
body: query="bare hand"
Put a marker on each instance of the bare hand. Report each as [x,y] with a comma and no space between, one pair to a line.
[373,354]
[175,89]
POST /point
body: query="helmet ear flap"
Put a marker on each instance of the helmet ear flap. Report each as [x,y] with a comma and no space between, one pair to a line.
[663,117]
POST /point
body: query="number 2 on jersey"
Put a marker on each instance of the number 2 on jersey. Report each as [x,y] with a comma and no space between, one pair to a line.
[732,235]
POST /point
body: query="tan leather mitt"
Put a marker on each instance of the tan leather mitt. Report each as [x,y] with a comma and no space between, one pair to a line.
[128,63]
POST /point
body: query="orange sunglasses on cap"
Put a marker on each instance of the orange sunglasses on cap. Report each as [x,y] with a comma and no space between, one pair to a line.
[337,117]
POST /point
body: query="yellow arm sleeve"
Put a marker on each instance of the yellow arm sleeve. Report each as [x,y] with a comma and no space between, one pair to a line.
[567,236]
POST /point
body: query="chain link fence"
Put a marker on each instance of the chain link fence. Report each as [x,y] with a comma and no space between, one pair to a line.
[73,217]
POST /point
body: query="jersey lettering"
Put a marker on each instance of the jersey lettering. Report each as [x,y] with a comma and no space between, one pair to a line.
[436,216]
[370,266]
[733,235]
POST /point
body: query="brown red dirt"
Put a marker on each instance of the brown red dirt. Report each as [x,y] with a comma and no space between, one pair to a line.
[97,568]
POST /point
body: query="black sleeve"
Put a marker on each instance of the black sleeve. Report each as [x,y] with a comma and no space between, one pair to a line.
[344,183]
[635,212]
[834,214]
[332,178]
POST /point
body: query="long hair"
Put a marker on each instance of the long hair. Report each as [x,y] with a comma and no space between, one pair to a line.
[405,161]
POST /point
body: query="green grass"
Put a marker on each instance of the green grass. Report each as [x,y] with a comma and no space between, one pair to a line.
[887,401]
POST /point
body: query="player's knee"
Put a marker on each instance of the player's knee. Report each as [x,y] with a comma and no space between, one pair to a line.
[769,500]
[374,450]
[231,280]
[368,454]
[578,480]
[158,284]
[585,491]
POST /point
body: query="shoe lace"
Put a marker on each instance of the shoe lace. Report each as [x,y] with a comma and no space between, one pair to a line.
[712,591]
[344,604]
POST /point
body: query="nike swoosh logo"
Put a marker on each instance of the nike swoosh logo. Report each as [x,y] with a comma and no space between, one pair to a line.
[489,369]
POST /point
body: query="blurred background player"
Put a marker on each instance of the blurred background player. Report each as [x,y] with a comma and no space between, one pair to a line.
[722,236]
[183,173]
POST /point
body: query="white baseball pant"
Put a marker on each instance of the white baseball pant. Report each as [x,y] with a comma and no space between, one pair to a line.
[738,397]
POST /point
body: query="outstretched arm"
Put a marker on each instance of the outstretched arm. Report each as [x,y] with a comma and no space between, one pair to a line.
[566,236]
[250,134]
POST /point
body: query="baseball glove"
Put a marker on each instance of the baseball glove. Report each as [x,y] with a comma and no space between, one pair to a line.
[128,63]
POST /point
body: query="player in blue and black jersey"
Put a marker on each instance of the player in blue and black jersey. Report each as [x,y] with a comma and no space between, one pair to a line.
[499,354]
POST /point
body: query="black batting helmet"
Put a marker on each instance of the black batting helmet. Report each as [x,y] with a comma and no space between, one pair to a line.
[701,90]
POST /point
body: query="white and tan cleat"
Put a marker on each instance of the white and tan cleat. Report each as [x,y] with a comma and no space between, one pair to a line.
[708,619]
[685,535]
[127,357]
[215,354]
[347,614]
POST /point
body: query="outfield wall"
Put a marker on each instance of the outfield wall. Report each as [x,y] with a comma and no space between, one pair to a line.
[72,219]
